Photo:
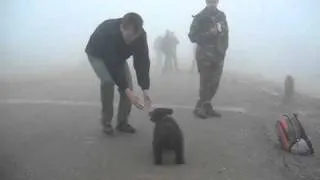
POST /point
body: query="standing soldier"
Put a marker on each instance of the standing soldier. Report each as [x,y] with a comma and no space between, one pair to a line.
[209,30]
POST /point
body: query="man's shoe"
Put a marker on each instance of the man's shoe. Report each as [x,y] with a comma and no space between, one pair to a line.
[126,128]
[200,113]
[107,129]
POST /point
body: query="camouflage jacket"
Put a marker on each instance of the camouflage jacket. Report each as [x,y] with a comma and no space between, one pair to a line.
[205,32]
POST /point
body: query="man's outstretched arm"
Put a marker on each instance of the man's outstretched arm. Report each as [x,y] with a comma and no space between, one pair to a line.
[141,62]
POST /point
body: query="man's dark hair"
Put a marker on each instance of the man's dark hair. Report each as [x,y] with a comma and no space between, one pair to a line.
[134,20]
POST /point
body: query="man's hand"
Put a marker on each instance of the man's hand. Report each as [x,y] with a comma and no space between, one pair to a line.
[133,98]
[219,27]
[213,31]
[216,29]
[147,101]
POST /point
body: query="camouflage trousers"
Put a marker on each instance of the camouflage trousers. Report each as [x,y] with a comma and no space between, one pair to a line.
[210,67]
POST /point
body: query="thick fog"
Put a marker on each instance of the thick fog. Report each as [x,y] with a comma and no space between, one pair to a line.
[273,37]
[56,115]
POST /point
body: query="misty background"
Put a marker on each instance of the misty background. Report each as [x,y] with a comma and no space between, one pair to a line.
[271,38]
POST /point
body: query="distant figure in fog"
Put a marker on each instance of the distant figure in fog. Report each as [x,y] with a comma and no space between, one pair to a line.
[169,48]
[158,50]
[110,45]
[209,30]
[288,90]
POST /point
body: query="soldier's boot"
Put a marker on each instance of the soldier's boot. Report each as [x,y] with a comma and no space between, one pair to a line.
[196,107]
[210,111]
[199,111]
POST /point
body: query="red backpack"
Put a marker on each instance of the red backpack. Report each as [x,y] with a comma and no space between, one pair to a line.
[292,135]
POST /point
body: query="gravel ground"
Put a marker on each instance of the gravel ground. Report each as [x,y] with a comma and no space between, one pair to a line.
[49,130]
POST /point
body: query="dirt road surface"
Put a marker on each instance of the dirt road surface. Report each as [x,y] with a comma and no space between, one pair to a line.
[49,130]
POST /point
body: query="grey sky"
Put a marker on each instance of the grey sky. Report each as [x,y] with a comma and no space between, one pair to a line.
[265,33]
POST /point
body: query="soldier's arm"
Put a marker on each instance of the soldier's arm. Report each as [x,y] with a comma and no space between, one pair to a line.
[224,24]
[227,35]
[225,31]
[223,37]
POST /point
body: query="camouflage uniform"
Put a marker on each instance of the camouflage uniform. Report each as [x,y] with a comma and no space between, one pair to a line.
[212,43]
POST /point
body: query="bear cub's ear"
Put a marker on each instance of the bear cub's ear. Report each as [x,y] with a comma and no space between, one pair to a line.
[159,113]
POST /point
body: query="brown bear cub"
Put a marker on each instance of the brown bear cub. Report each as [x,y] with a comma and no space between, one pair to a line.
[166,135]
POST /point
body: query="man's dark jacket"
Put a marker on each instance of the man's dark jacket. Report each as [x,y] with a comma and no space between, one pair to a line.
[107,43]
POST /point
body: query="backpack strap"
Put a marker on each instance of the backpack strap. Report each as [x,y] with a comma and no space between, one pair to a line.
[303,133]
[293,137]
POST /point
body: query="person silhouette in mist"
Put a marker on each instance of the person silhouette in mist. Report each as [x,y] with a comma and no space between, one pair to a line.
[169,48]
[110,45]
[209,30]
